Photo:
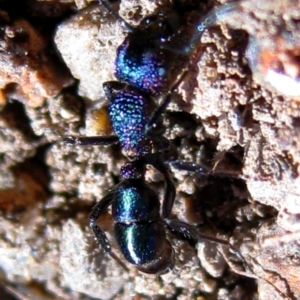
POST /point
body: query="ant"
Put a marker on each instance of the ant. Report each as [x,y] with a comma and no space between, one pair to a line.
[139,221]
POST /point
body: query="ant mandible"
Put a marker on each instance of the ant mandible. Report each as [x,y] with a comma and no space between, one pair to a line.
[139,222]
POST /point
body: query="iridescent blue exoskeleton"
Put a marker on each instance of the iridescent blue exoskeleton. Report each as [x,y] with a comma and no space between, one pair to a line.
[147,58]
[140,221]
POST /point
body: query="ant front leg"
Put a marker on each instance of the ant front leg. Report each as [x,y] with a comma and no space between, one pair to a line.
[91,140]
[202,169]
[157,114]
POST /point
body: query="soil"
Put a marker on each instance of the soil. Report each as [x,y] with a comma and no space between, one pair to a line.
[236,110]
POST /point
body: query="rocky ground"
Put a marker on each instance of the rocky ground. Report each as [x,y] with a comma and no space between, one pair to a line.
[237,109]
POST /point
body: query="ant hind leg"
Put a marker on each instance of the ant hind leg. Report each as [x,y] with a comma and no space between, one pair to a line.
[191,232]
[98,232]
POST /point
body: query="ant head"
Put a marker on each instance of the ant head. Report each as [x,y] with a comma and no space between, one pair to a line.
[160,26]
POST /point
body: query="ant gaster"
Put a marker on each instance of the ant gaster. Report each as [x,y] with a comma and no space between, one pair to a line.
[139,221]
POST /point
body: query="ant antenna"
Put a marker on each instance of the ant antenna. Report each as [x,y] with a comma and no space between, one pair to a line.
[109,8]
[211,18]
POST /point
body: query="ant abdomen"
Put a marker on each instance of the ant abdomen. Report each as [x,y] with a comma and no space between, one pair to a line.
[145,245]
[138,229]
[135,202]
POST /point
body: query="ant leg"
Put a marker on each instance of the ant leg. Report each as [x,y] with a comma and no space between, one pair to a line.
[164,104]
[188,230]
[170,190]
[94,216]
[91,140]
[158,112]
[169,197]
[202,168]
[98,232]
[192,232]
[218,14]
[109,8]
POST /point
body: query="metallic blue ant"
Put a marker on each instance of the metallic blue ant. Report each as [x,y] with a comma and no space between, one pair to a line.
[139,221]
